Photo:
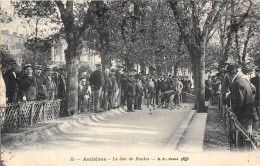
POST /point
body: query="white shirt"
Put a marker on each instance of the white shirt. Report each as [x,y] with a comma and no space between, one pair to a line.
[14,74]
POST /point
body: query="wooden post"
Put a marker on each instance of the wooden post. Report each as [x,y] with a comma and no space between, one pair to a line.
[232,135]
[20,116]
[32,112]
[238,140]
[247,146]
[44,112]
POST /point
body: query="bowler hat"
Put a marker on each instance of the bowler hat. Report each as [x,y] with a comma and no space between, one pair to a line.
[26,66]
[48,68]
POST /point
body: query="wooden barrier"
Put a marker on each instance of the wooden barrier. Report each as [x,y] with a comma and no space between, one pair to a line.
[14,116]
[239,139]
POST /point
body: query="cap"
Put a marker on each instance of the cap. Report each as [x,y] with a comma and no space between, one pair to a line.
[26,66]
[48,68]
[12,62]
[39,67]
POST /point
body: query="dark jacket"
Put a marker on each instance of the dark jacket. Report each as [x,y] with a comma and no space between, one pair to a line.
[139,88]
[164,86]
[256,81]
[96,80]
[130,88]
[28,86]
[170,83]
[61,86]
[242,101]
[11,84]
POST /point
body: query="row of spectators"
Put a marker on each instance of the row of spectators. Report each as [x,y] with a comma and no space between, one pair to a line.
[34,83]
[115,87]
[111,88]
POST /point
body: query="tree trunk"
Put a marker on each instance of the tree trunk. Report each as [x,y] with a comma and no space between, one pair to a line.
[72,81]
[198,66]
[200,96]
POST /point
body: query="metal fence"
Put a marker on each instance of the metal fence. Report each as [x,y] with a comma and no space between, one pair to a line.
[14,116]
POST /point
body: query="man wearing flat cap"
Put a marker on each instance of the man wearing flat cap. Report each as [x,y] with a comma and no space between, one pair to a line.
[51,90]
[242,102]
[256,82]
[28,84]
[11,81]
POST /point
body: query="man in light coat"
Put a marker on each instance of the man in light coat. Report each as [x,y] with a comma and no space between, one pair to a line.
[178,89]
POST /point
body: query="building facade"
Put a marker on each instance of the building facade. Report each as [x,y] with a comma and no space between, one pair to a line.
[88,56]
[14,42]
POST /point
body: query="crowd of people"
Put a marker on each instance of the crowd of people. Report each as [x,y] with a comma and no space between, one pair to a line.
[239,92]
[34,83]
[116,87]
[109,88]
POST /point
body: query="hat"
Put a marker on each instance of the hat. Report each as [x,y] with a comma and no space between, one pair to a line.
[48,68]
[232,69]
[83,78]
[39,67]
[12,62]
[26,66]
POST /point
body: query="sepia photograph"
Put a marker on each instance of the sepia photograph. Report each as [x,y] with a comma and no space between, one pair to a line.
[129,82]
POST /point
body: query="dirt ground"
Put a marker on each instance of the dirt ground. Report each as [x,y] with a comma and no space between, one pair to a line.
[216,137]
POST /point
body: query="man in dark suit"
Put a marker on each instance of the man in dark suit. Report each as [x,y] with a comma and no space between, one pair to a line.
[242,102]
[28,85]
[256,82]
[130,92]
[96,81]
[11,82]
